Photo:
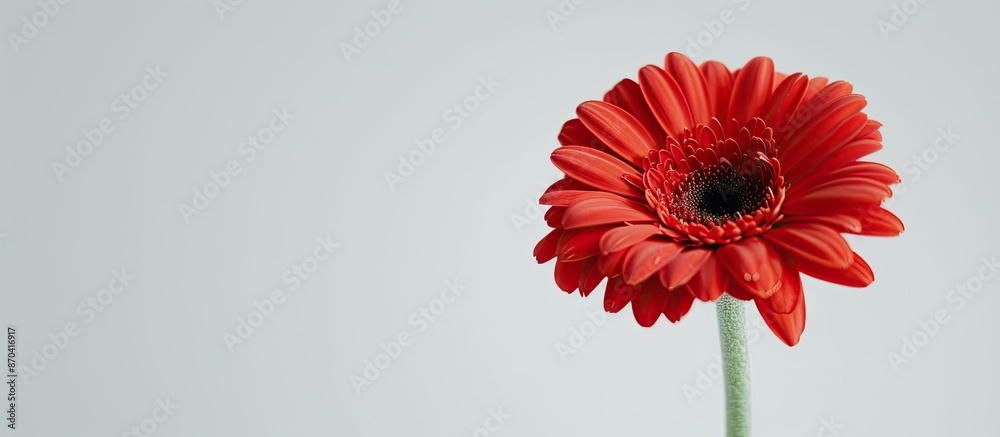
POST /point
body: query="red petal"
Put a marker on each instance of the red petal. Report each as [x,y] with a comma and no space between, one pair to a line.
[738,292]
[595,168]
[568,197]
[821,122]
[753,264]
[785,300]
[834,127]
[859,274]
[582,245]
[600,211]
[692,84]
[871,131]
[779,77]
[628,96]
[665,100]
[710,281]
[866,170]
[816,85]
[625,236]
[786,97]
[678,304]
[574,133]
[590,278]
[546,247]
[877,221]
[818,243]
[848,153]
[646,258]
[567,183]
[751,89]
[682,268]
[787,326]
[720,86]
[648,304]
[836,196]
[814,101]
[617,294]
[568,275]
[616,128]
[611,265]
[553,217]
[843,222]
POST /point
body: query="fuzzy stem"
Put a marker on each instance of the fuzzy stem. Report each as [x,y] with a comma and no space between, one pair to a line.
[735,363]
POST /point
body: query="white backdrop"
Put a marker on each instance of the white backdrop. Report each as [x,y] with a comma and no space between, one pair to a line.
[165,166]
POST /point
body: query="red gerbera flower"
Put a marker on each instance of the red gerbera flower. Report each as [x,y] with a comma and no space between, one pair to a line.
[697,181]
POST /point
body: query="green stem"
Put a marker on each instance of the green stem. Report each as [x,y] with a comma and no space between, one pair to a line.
[735,364]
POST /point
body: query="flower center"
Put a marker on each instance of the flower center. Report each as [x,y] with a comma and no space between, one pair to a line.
[717,194]
[716,184]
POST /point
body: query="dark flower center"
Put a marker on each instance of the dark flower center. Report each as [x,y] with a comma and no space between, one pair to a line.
[716,184]
[718,193]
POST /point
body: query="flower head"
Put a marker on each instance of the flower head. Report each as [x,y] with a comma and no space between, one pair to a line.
[698,180]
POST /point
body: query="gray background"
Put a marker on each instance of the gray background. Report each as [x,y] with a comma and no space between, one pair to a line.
[495,346]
